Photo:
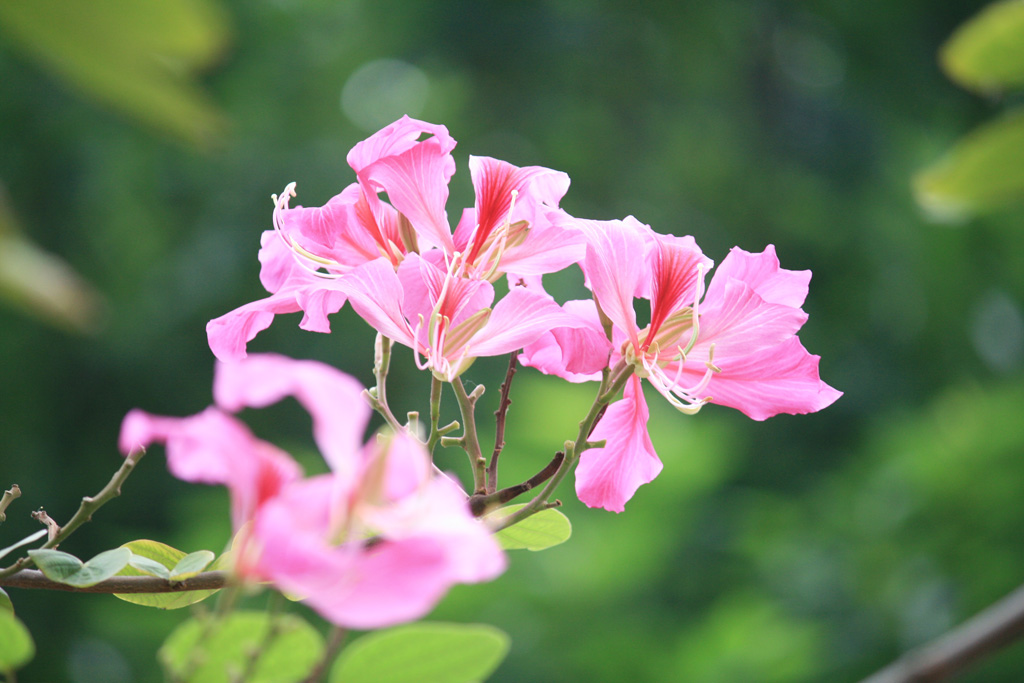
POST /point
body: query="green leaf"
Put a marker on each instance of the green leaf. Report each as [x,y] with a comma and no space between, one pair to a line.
[984,171]
[542,530]
[192,564]
[16,646]
[135,56]
[429,651]
[40,284]
[223,650]
[168,558]
[25,541]
[148,566]
[5,602]
[68,569]
[986,54]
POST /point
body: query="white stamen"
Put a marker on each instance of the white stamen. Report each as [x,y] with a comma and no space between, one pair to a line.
[301,256]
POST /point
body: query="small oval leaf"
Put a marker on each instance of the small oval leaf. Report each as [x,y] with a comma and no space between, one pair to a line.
[984,171]
[148,566]
[5,602]
[542,530]
[25,541]
[68,569]
[192,564]
[16,646]
[428,651]
[168,558]
[986,54]
[56,565]
[221,652]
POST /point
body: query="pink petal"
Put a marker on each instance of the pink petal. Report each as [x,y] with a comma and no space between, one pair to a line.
[574,354]
[675,274]
[292,288]
[400,462]
[608,477]
[428,541]
[546,250]
[320,225]
[616,267]
[761,272]
[376,295]
[782,379]
[494,181]
[741,322]
[416,182]
[333,399]
[394,139]
[390,584]
[215,448]
[229,334]
[423,283]
[439,510]
[519,318]
[317,302]
[350,585]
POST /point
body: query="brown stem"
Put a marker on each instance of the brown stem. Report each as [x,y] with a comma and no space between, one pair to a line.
[985,633]
[334,643]
[52,528]
[499,431]
[479,504]
[32,578]
[469,439]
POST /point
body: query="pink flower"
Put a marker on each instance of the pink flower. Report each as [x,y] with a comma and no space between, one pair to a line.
[736,346]
[376,542]
[509,229]
[446,318]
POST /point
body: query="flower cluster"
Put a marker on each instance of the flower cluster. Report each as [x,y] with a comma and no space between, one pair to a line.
[376,542]
[382,537]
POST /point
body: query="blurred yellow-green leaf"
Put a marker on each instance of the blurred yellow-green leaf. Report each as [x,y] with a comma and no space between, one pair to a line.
[541,530]
[285,648]
[986,54]
[138,57]
[41,284]
[427,651]
[5,602]
[983,171]
[16,646]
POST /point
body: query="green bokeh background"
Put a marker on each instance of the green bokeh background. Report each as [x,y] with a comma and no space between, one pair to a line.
[804,548]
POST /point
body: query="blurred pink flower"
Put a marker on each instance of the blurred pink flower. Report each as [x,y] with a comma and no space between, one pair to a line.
[376,542]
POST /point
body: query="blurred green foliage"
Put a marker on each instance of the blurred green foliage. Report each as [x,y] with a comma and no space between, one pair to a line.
[803,548]
[985,170]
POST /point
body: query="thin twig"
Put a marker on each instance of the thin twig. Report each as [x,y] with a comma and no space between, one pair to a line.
[499,430]
[274,605]
[479,505]
[611,385]
[33,578]
[90,504]
[469,440]
[378,397]
[334,643]
[435,415]
[988,631]
[52,528]
[8,498]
